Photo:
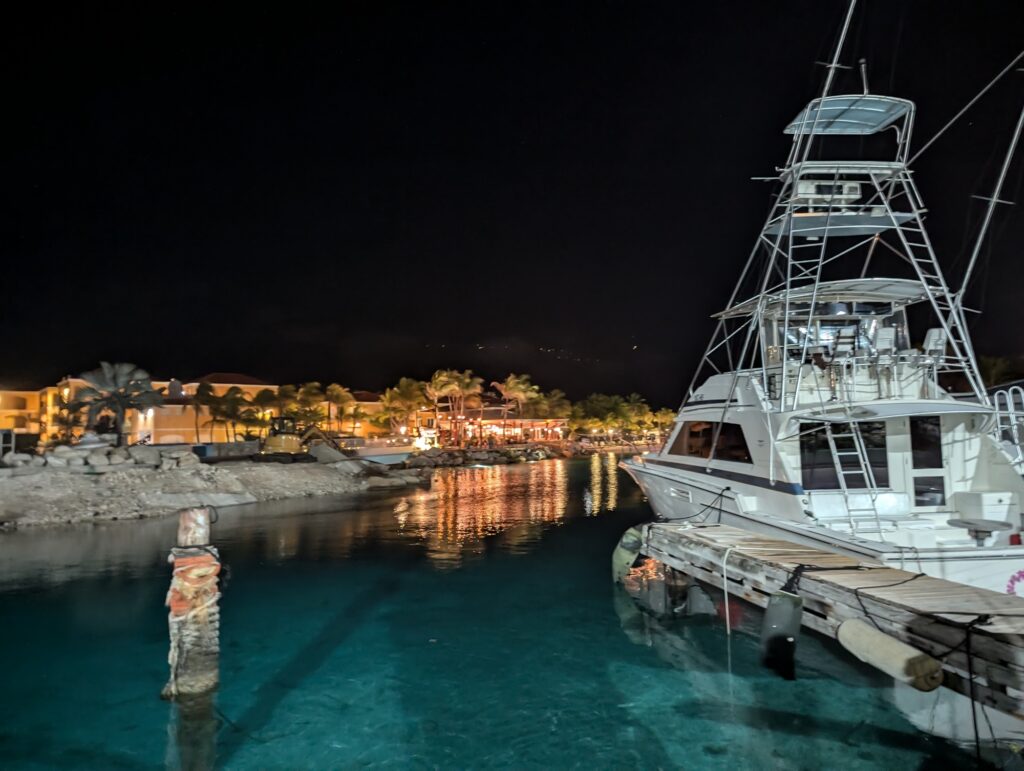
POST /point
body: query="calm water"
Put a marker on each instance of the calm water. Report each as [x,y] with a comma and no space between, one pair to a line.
[470,626]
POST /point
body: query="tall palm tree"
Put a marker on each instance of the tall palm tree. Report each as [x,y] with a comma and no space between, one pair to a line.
[200,400]
[117,388]
[233,404]
[263,401]
[440,386]
[515,390]
[339,397]
[464,384]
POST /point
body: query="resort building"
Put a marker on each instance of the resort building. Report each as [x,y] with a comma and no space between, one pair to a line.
[176,421]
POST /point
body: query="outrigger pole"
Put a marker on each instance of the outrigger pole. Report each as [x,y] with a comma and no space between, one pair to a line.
[958,300]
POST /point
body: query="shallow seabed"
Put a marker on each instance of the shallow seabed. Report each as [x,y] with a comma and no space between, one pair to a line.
[470,626]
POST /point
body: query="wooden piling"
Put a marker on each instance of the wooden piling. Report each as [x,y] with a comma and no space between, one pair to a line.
[194,617]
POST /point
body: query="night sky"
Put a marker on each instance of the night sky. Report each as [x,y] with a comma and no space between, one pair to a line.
[557,188]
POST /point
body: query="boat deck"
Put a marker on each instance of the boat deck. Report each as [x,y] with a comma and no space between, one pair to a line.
[971,630]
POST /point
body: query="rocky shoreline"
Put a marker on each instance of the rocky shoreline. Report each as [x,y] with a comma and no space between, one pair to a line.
[69,485]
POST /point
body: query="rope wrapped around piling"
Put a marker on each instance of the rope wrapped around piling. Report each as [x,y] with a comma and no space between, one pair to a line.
[193,621]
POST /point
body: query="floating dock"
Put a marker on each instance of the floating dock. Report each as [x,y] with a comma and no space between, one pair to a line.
[977,634]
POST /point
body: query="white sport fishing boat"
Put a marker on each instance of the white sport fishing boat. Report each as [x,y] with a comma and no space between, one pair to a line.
[813,417]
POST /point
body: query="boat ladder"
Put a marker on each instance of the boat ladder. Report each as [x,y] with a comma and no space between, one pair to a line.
[863,469]
[1009,405]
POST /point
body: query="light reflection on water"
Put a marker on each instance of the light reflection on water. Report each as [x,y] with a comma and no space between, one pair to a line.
[603,492]
[463,507]
[471,625]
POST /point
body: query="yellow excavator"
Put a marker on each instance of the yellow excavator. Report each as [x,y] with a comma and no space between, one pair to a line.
[284,443]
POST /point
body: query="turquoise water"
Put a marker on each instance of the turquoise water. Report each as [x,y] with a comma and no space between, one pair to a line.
[470,626]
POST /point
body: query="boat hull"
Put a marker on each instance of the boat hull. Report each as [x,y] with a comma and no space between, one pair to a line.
[707,499]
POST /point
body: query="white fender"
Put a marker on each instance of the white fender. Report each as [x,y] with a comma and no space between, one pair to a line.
[897,659]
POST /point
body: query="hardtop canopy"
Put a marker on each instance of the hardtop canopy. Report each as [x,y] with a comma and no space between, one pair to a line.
[857,114]
[898,291]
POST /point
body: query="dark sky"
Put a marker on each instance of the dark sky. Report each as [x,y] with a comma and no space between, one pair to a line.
[557,188]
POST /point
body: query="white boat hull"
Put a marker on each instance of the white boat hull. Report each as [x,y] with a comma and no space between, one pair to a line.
[684,496]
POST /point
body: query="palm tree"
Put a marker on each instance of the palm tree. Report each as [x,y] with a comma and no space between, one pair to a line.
[286,398]
[339,397]
[232,405]
[263,401]
[356,413]
[67,419]
[202,398]
[663,420]
[996,370]
[517,390]
[558,406]
[115,389]
[440,386]
[464,384]
[403,401]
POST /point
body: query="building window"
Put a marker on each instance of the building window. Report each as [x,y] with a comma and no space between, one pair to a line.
[926,441]
[695,440]
[818,468]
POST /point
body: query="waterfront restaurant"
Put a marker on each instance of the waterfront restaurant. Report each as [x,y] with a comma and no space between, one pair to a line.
[490,424]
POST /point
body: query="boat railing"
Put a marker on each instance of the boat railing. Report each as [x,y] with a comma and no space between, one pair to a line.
[858,378]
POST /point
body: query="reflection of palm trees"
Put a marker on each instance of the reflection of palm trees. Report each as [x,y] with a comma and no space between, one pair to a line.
[465,506]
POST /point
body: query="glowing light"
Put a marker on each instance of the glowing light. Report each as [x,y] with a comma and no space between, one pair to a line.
[66,392]
[149,413]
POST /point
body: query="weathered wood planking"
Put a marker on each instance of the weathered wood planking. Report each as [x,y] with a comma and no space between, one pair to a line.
[928,613]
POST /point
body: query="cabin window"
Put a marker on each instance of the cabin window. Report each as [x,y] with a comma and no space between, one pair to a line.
[695,439]
[926,441]
[929,491]
[817,467]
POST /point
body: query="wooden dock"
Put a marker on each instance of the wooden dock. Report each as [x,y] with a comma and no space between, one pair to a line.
[971,630]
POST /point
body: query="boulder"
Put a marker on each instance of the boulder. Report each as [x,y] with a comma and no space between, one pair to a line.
[37,460]
[57,461]
[174,453]
[120,452]
[98,458]
[116,460]
[324,453]
[433,452]
[350,466]
[13,459]
[75,460]
[63,449]
[145,455]
[385,482]
[419,461]
[188,459]
[166,464]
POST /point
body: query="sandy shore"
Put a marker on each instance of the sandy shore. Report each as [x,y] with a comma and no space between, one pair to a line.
[50,496]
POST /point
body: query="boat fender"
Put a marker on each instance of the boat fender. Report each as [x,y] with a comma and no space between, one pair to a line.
[626,552]
[897,659]
[779,633]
